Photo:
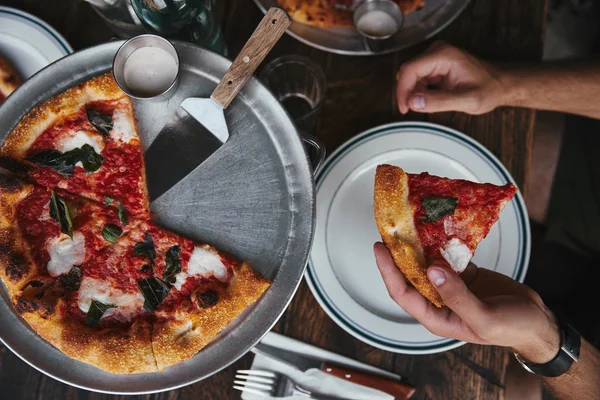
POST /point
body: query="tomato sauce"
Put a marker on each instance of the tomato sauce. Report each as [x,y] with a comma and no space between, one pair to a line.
[119,175]
[433,235]
[33,216]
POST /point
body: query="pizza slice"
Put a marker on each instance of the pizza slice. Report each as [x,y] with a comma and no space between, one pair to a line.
[46,238]
[83,141]
[9,80]
[190,291]
[424,219]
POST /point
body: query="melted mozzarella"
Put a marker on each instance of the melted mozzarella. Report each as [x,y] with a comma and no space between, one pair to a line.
[65,253]
[123,128]
[78,139]
[128,304]
[202,263]
[457,254]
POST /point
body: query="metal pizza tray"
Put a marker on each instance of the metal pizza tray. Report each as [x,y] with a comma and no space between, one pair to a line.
[254,198]
[418,26]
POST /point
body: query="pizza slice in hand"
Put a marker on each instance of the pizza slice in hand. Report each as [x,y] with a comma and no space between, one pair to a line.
[84,141]
[424,219]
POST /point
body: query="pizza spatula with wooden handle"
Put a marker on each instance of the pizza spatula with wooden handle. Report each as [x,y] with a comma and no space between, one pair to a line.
[198,127]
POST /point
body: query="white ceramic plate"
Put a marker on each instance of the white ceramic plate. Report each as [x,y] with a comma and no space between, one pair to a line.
[342,273]
[28,42]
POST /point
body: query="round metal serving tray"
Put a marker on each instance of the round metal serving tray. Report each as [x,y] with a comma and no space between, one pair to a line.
[418,26]
[253,198]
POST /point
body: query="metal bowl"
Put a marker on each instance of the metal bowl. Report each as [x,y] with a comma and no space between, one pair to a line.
[417,26]
[254,198]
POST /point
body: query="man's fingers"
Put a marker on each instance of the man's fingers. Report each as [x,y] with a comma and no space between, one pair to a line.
[411,72]
[431,101]
[405,295]
[458,297]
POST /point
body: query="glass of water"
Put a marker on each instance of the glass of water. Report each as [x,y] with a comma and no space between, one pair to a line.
[300,85]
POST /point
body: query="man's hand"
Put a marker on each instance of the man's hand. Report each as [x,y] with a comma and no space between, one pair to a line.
[446,78]
[483,307]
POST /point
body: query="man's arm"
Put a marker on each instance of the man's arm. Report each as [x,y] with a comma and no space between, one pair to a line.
[485,307]
[571,88]
[446,78]
[582,381]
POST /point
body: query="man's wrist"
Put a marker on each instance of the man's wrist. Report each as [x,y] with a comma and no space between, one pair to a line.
[514,91]
[544,344]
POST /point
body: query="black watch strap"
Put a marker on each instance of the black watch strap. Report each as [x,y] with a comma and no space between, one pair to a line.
[567,355]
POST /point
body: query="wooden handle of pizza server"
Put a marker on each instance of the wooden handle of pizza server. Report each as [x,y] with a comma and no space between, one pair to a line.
[266,34]
[400,391]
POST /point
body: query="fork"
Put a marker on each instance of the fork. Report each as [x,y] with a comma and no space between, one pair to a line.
[273,384]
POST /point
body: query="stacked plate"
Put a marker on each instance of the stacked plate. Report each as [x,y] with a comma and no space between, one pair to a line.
[342,273]
[28,42]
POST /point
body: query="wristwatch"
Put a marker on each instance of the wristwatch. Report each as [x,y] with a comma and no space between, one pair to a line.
[567,354]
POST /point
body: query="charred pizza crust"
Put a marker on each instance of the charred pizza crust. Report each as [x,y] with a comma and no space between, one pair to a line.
[9,80]
[16,264]
[394,218]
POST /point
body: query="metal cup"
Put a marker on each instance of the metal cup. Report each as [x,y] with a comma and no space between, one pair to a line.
[386,6]
[133,44]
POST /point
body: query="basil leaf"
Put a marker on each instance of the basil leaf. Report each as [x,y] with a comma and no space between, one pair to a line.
[111,232]
[61,214]
[173,265]
[96,312]
[91,160]
[64,163]
[154,291]
[438,207]
[53,159]
[121,213]
[146,248]
[102,122]
[108,200]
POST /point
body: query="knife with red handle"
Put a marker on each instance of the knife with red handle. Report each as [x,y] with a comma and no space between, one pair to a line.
[399,390]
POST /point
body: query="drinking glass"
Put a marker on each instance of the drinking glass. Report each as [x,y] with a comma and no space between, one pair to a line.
[300,85]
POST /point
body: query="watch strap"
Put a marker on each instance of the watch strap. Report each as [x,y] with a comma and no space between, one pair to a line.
[566,356]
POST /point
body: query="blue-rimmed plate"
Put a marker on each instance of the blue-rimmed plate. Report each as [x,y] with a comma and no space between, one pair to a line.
[29,43]
[342,273]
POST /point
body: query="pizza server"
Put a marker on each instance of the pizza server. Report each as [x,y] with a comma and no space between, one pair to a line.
[198,128]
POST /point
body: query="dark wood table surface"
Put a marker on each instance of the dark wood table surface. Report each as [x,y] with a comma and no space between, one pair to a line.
[360,95]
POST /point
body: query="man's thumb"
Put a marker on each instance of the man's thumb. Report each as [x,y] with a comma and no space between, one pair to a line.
[437,101]
[456,295]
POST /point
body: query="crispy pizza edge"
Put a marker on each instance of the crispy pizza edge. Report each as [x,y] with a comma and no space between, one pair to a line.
[183,336]
[394,219]
[16,264]
[40,118]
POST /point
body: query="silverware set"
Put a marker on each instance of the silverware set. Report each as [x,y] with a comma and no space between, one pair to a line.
[273,385]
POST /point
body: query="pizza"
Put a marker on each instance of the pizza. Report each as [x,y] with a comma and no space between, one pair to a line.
[84,141]
[332,13]
[9,80]
[424,219]
[81,260]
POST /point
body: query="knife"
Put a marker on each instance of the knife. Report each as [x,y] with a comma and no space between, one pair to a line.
[392,387]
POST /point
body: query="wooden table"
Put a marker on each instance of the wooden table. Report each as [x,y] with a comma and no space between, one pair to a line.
[360,95]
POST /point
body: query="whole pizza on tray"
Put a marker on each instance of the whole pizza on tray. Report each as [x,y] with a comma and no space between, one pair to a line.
[79,256]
